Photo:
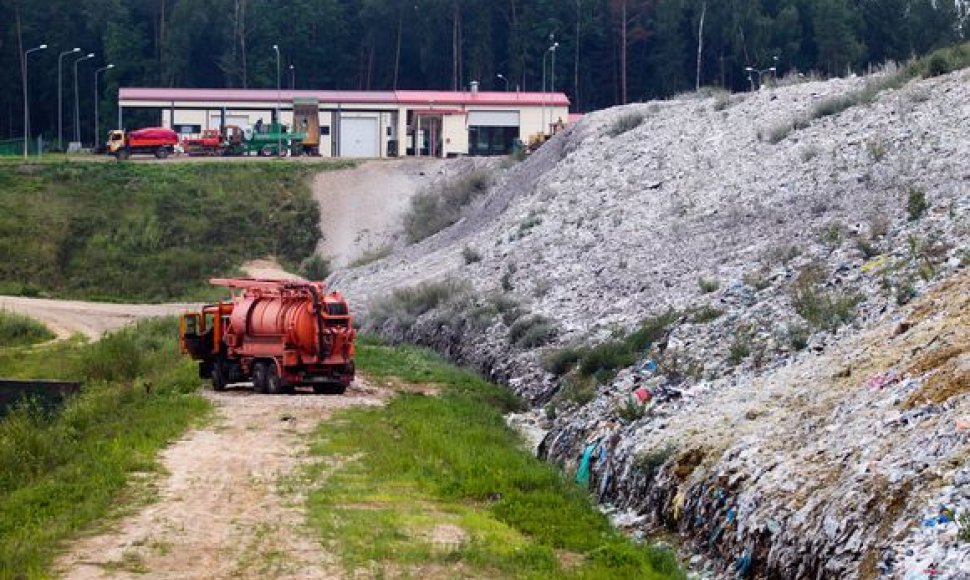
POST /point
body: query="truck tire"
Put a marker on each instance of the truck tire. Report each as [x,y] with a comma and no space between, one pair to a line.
[274,384]
[259,377]
[122,154]
[265,151]
[219,381]
[161,152]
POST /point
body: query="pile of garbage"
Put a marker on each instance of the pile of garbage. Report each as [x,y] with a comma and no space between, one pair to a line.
[787,424]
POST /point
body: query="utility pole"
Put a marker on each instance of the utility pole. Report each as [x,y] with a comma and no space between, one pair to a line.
[96,91]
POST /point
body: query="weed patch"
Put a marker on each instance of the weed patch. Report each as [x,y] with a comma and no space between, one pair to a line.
[626,122]
[405,305]
[823,309]
[61,470]
[438,207]
[19,330]
[450,462]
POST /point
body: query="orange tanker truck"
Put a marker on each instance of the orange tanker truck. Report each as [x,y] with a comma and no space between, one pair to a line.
[278,334]
[157,141]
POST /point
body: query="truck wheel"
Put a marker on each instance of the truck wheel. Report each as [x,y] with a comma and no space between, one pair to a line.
[274,384]
[259,377]
[121,154]
[161,153]
[219,381]
[265,151]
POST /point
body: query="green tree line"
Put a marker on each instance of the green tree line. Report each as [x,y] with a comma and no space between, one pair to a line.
[608,52]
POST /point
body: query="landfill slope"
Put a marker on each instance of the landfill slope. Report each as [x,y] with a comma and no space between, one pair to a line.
[772,443]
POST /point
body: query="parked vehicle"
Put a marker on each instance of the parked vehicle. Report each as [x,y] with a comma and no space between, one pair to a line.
[157,141]
[278,334]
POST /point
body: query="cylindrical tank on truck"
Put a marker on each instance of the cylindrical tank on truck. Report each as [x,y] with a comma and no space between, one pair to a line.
[278,334]
[157,141]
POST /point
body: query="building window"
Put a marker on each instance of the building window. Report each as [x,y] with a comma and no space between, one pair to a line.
[324,130]
[491,140]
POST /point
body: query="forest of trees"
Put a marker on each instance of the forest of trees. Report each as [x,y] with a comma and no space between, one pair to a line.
[609,51]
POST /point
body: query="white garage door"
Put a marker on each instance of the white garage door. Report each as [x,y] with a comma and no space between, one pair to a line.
[493,118]
[237,120]
[358,137]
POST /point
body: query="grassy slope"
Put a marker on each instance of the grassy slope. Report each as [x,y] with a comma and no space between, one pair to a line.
[62,471]
[424,462]
[148,231]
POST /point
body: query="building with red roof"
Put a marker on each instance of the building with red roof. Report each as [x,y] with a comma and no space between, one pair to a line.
[366,123]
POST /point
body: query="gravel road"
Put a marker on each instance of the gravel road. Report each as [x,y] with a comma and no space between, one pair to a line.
[231,502]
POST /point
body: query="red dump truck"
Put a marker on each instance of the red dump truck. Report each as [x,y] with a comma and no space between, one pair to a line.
[157,141]
[278,334]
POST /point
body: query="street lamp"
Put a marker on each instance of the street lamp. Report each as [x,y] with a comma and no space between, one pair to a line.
[60,98]
[759,72]
[279,120]
[552,50]
[77,109]
[96,127]
[504,79]
[26,106]
[292,77]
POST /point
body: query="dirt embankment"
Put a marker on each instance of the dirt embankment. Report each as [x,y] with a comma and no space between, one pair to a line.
[231,502]
[361,209]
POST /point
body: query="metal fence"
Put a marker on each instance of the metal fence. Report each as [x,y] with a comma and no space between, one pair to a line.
[14,147]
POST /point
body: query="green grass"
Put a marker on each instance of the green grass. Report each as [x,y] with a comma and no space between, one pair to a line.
[426,463]
[439,206]
[62,470]
[19,330]
[148,232]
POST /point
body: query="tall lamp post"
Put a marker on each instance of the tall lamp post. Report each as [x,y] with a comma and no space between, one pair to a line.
[77,109]
[279,121]
[26,105]
[292,77]
[552,50]
[60,98]
[504,79]
[96,91]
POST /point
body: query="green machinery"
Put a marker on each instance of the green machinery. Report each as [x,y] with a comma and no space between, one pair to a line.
[263,140]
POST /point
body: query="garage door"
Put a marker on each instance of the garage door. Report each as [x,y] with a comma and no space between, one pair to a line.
[358,137]
[493,118]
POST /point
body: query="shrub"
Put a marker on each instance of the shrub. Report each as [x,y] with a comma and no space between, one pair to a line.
[316,267]
[798,335]
[561,361]
[706,314]
[532,331]
[575,389]
[470,255]
[605,359]
[826,310]
[757,279]
[708,285]
[18,330]
[372,255]
[405,305]
[916,204]
[508,307]
[876,149]
[626,122]
[740,348]
[630,410]
[650,461]
[440,206]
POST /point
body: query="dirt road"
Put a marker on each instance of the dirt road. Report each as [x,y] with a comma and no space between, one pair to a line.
[92,319]
[362,208]
[231,504]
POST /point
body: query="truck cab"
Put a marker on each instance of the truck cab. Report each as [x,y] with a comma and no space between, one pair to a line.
[116,140]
